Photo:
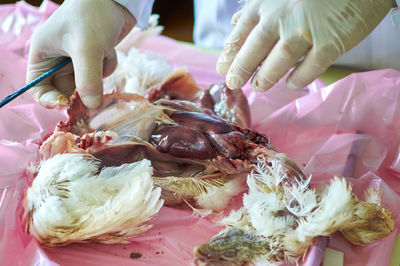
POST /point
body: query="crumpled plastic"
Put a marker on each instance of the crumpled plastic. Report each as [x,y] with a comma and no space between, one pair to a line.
[349,128]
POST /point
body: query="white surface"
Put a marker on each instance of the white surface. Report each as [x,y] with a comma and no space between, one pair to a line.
[332,258]
[140,9]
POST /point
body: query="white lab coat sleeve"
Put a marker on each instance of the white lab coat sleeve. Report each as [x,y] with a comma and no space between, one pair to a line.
[379,50]
[212,23]
[140,9]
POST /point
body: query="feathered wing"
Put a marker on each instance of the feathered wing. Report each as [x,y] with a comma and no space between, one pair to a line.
[212,192]
[281,217]
[71,200]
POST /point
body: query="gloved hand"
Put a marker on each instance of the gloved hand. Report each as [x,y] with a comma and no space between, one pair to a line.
[271,36]
[86,31]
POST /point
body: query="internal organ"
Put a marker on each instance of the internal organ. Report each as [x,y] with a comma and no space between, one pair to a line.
[199,136]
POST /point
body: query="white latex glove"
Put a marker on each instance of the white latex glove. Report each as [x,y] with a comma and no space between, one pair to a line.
[271,36]
[86,31]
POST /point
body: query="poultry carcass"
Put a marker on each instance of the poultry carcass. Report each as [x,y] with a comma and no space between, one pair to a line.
[193,150]
[198,143]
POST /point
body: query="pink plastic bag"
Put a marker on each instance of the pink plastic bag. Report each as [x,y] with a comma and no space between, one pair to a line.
[318,127]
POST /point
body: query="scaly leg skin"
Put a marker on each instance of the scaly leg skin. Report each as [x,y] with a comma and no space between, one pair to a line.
[231,246]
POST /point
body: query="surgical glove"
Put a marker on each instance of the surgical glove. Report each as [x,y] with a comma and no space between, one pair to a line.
[86,31]
[271,36]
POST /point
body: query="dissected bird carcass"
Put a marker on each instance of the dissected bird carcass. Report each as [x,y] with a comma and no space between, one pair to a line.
[195,156]
[179,128]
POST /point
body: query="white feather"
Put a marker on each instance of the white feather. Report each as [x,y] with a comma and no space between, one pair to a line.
[217,198]
[334,210]
[137,72]
[237,218]
[262,209]
[300,199]
[271,175]
[373,196]
[69,201]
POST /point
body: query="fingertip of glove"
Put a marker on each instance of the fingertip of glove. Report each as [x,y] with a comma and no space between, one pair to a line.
[62,100]
[53,99]
[92,102]
[222,68]
[234,82]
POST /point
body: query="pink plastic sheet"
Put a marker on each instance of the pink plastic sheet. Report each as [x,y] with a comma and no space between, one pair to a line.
[319,127]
